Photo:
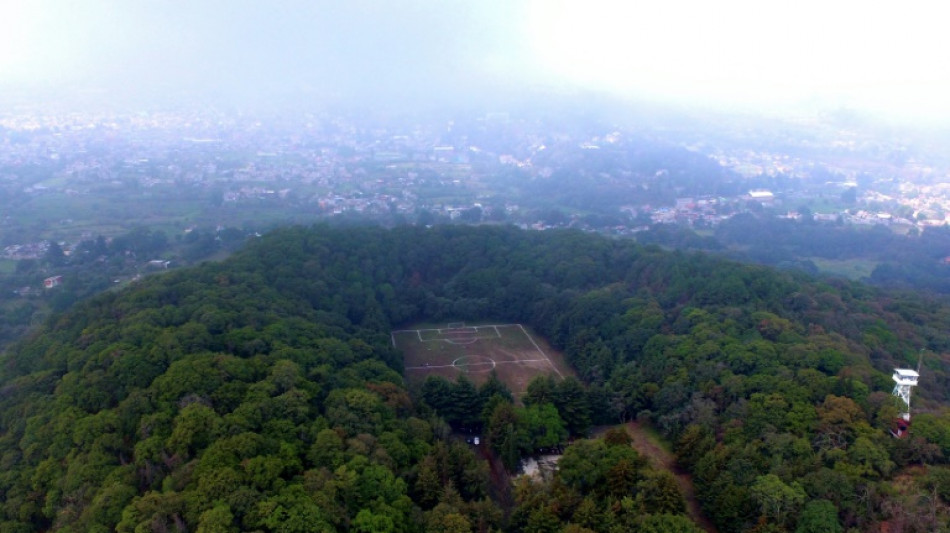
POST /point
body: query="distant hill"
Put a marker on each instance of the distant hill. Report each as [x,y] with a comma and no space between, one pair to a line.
[263,393]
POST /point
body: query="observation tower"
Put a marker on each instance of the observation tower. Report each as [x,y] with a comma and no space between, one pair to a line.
[904,380]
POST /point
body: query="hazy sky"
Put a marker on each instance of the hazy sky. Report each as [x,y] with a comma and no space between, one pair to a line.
[863,54]
[889,56]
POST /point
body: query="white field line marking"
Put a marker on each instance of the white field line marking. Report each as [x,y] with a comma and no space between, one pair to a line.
[487,363]
[486,326]
[477,363]
[418,333]
[461,329]
[530,338]
[439,332]
[460,342]
[423,367]
[472,339]
[455,364]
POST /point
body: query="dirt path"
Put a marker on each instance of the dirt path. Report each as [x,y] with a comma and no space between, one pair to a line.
[644,442]
[500,480]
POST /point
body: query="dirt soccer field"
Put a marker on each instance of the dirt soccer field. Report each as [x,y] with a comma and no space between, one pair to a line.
[508,349]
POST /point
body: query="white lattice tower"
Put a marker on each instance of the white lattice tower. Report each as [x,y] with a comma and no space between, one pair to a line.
[904,379]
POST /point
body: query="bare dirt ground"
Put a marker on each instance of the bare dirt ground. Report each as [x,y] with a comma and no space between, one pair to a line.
[646,443]
[510,350]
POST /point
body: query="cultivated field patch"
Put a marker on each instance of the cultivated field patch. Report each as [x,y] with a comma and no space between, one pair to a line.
[476,350]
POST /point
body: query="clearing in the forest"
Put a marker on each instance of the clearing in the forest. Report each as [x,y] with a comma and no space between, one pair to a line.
[510,350]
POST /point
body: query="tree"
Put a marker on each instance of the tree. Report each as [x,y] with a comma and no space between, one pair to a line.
[155,511]
[819,516]
[593,467]
[570,398]
[935,428]
[465,405]
[195,427]
[693,443]
[617,436]
[437,393]
[503,416]
[54,255]
[869,458]
[667,523]
[354,410]
[542,427]
[494,386]
[327,450]
[540,390]
[472,215]
[660,494]
[428,487]
[775,498]
[838,419]
[542,520]
[218,519]
[446,519]
[622,478]
[508,445]
[368,522]
[589,515]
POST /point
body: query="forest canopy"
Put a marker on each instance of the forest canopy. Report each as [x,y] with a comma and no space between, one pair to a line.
[262,393]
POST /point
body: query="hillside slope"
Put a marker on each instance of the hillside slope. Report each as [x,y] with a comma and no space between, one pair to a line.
[262,393]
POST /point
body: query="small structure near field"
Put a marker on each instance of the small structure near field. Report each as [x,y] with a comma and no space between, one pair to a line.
[904,379]
[540,467]
[52,281]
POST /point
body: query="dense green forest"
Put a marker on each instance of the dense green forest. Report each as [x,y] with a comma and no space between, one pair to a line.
[262,393]
[96,265]
[916,260]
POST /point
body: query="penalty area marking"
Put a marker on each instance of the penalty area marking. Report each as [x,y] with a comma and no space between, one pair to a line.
[452,334]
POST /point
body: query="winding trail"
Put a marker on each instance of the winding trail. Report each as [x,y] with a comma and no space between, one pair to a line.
[645,443]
